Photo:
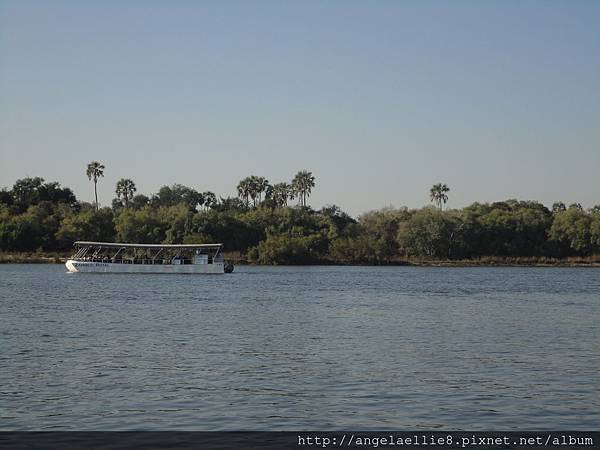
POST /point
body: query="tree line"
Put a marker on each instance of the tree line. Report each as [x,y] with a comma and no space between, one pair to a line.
[262,224]
[250,188]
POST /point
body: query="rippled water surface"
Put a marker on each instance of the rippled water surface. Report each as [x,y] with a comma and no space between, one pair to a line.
[274,348]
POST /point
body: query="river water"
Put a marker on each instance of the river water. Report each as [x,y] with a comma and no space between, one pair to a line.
[285,348]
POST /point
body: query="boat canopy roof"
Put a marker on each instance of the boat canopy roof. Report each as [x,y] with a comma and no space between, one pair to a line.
[123,245]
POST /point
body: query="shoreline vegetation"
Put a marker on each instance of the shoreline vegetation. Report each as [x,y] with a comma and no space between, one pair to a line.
[491,261]
[274,224]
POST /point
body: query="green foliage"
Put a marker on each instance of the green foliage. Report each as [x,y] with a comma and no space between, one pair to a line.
[21,232]
[168,225]
[293,235]
[287,249]
[558,207]
[36,215]
[32,230]
[302,185]
[361,249]
[125,191]
[253,187]
[197,238]
[437,194]
[140,226]
[139,201]
[176,194]
[380,228]
[339,218]
[87,225]
[372,240]
[230,204]
[280,193]
[595,230]
[176,220]
[209,199]
[428,232]
[95,171]
[573,229]
[27,192]
[514,228]
[6,197]
[227,228]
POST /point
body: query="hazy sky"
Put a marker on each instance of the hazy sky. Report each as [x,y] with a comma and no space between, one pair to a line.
[379,99]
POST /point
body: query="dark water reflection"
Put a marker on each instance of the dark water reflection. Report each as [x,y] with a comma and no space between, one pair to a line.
[300,348]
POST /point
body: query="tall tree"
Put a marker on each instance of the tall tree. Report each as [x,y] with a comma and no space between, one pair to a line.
[558,207]
[178,193]
[573,228]
[210,199]
[139,201]
[230,204]
[254,188]
[6,197]
[94,171]
[125,190]
[26,192]
[244,188]
[262,185]
[302,185]
[31,191]
[269,192]
[281,192]
[437,194]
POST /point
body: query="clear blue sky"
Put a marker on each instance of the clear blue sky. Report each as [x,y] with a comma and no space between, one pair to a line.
[379,99]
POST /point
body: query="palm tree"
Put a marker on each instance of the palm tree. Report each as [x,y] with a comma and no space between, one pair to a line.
[254,187]
[437,194]
[281,193]
[269,192]
[302,184]
[126,189]
[291,194]
[94,171]
[243,189]
[257,185]
[262,185]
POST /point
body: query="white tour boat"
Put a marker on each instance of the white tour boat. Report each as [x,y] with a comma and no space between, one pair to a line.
[114,257]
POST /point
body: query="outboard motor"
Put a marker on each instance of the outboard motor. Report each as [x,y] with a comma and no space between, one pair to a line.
[227,267]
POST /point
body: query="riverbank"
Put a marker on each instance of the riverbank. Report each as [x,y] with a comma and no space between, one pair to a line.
[237,259]
[489,261]
[33,257]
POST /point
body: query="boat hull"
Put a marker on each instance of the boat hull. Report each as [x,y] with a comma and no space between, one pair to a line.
[106,267]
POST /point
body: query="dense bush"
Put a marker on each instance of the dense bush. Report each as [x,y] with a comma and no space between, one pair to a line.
[286,249]
[86,225]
